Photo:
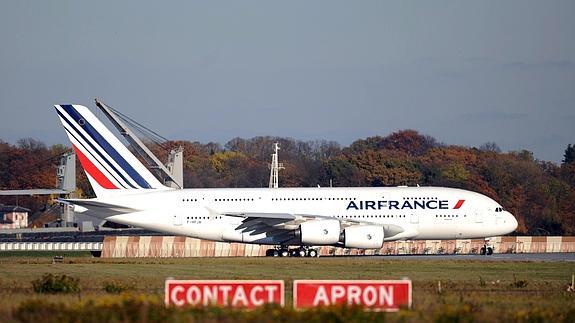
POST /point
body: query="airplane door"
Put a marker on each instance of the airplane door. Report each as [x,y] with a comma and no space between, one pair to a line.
[414,219]
[178,219]
[478,217]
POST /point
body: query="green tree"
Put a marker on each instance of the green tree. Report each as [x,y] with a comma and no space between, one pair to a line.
[386,168]
[408,141]
[342,172]
[569,156]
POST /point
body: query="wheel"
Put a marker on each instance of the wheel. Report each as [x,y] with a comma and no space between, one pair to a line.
[275,253]
[489,251]
[301,253]
[284,253]
[482,251]
[269,252]
[312,253]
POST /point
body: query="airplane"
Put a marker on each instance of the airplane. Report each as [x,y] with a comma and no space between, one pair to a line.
[295,220]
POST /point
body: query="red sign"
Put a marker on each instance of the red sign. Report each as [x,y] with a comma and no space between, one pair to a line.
[378,295]
[234,293]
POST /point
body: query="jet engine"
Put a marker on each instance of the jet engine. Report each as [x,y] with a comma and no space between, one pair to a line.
[319,232]
[363,236]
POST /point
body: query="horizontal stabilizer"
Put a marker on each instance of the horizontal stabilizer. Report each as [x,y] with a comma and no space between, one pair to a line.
[96,208]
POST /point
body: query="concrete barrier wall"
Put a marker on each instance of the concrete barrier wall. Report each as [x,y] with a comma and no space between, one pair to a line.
[170,246]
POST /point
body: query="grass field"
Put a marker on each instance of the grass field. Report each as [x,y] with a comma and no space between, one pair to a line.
[471,290]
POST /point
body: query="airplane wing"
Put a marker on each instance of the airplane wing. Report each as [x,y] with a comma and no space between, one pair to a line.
[257,223]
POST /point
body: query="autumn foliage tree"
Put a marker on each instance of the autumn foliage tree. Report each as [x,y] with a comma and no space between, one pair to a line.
[28,164]
[540,194]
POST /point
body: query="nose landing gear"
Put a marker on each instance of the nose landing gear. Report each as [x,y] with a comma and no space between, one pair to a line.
[486,250]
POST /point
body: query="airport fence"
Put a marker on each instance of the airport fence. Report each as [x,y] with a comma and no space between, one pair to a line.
[51,246]
[175,246]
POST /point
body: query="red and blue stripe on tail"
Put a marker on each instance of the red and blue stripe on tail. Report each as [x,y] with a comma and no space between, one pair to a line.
[110,166]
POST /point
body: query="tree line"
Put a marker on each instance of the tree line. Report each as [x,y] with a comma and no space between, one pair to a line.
[540,194]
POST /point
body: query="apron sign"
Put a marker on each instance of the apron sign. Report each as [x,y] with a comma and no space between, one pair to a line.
[233,293]
[377,295]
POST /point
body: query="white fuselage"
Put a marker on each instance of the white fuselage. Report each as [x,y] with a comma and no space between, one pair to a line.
[422,212]
[128,193]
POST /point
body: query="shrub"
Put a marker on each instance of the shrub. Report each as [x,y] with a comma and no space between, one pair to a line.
[56,284]
[482,282]
[135,308]
[521,283]
[112,287]
[454,313]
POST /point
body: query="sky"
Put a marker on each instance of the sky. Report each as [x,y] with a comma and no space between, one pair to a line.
[464,72]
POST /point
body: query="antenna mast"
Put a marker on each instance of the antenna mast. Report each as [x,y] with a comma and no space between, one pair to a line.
[275,167]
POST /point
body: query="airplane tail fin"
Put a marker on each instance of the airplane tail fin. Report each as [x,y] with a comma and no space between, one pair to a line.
[111,168]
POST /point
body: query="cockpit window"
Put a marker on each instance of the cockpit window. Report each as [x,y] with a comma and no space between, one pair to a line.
[499,209]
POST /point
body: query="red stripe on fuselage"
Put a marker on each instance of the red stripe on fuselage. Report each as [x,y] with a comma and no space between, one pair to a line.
[94,171]
[459,204]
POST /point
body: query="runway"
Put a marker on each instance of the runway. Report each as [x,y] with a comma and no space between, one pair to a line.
[544,257]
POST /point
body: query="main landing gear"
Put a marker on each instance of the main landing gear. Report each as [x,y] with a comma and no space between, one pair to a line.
[285,251]
[486,250]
